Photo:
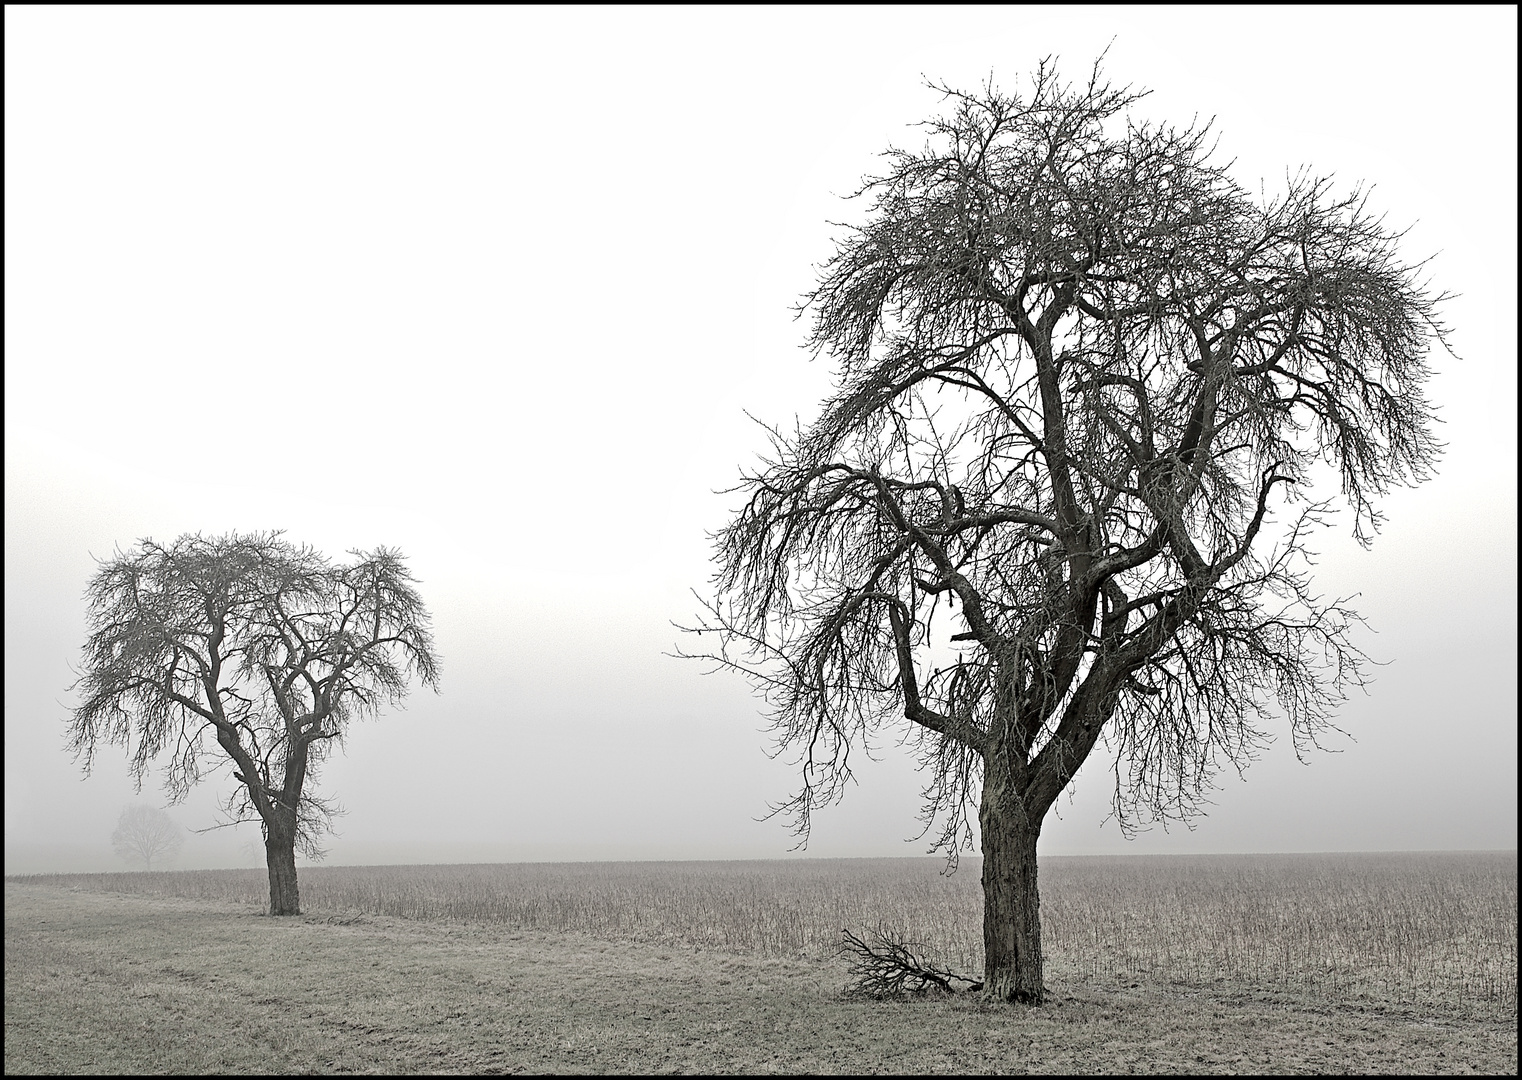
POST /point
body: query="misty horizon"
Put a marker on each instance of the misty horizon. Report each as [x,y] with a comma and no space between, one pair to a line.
[510,311]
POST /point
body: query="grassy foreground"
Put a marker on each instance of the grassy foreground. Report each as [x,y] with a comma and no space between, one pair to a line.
[1292,967]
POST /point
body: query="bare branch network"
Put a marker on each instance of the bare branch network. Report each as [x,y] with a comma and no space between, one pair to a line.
[1063,487]
[256,651]
[891,966]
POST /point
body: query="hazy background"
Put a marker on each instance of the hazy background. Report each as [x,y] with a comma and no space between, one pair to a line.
[495,286]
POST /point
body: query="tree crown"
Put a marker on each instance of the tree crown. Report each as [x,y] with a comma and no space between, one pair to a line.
[265,647]
[1077,367]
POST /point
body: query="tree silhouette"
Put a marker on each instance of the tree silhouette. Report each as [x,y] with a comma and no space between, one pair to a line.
[1064,488]
[146,833]
[262,649]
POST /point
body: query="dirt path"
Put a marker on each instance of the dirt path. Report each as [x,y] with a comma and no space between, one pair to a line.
[110,983]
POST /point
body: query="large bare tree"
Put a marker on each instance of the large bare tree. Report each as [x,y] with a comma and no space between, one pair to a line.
[1063,489]
[256,652]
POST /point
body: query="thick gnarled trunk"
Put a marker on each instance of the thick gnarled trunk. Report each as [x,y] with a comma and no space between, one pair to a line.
[1012,968]
[280,855]
[281,825]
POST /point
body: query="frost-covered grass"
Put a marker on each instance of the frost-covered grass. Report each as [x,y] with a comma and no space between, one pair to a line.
[101,983]
[1429,929]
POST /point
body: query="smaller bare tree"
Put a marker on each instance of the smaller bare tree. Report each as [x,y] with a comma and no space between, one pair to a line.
[252,653]
[146,833]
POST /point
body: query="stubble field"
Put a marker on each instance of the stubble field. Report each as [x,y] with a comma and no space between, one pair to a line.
[1349,963]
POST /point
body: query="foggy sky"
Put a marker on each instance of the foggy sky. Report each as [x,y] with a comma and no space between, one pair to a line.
[498,286]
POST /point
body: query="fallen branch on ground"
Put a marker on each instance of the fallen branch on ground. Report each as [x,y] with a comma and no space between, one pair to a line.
[893,967]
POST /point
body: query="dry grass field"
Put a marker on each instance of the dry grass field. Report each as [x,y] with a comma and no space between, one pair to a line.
[1349,963]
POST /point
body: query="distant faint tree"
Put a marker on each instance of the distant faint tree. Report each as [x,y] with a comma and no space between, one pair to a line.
[259,648]
[146,833]
[1079,369]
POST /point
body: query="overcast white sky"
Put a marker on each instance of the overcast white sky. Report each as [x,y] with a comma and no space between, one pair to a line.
[495,285]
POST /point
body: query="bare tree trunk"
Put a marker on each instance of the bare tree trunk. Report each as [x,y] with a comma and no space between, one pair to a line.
[280,854]
[1011,902]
